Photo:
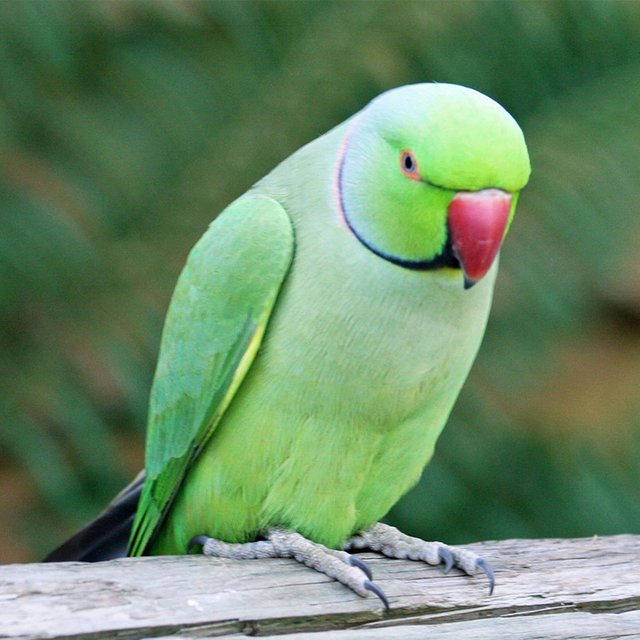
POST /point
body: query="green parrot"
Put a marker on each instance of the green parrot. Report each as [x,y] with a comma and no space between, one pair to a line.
[320,333]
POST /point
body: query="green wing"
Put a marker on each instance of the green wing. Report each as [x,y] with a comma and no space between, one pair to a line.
[215,324]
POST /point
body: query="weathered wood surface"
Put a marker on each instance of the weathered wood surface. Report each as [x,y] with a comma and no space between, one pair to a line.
[546,589]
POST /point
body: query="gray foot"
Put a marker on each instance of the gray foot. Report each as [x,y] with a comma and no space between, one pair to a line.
[393,543]
[283,543]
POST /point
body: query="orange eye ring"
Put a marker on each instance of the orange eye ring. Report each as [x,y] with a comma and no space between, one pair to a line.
[409,164]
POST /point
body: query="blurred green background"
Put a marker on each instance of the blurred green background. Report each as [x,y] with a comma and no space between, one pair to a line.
[126,126]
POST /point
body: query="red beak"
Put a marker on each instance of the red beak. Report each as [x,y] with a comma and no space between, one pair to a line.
[477,221]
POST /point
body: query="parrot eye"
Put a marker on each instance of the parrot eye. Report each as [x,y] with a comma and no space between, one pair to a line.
[408,164]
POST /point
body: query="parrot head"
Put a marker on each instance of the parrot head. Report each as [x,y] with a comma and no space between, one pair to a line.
[429,177]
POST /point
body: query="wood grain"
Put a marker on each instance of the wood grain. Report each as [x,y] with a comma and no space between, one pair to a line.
[546,589]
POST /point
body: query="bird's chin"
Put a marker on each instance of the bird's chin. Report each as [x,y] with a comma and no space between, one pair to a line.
[449,278]
[453,279]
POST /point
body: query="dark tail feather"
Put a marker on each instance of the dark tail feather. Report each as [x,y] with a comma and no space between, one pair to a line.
[107,537]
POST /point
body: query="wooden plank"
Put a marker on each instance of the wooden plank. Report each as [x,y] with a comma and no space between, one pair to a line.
[547,589]
[569,626]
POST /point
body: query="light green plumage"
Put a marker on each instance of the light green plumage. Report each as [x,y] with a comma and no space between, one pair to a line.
[361,360]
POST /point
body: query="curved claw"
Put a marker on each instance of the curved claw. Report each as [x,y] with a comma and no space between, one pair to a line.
[196,541]
[488,571]
[373,587]
[447,557]
[354,561]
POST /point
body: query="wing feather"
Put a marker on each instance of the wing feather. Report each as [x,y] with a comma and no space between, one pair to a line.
[215,324]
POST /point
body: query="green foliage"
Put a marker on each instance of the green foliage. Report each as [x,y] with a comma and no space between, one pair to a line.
[126,126]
